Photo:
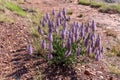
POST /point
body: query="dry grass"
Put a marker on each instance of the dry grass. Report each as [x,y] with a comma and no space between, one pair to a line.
[84,2]
[110,8]
[114,70]
[105,8]
[110,32]
[3,18]
[69,12]
[12,7]
[114,48]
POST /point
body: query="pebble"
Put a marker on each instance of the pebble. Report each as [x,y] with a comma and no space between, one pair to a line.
[87,72]
[101,77]
[99,72]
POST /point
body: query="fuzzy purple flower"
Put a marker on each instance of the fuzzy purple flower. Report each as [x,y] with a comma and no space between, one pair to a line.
[50,56]
[29,49]
[58,21]
[73,38]
[50,37]
[43,44]
[64,12]
[44,19]
[40,30]
[82,34]
[50,47]
[47,16]
[77,51]
[43,23]
[64,24]
[59,14]
[93,26]
[67,53]
[98,41]
[69,44]
[89,50]
[98,55]
[63,35]
[53,12]
[76,34]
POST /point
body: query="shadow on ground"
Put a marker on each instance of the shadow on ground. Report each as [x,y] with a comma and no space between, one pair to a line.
[25,67]
[59,72]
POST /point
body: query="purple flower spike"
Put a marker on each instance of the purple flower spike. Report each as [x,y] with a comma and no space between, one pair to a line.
[47,16]
[69,34]
[44,19]
[43,23]
[98,55]
[40,31]
[69,43]
[59,15]
[89,50]
[77,51]
[63,35]
[76,34]
[44,44]
[98,41]
[53,12]
[58,21]
[49,23]
[86,30]
[73,38]
[93,26]
[88,24]
[82,26]
[50,47]
[50,37]
[92,43]
[56,30]
[64,12]
[86,41]
[67,53]
[92,37]
[29,49]
[82,33]
[64,24]
[50,26]
[50,56]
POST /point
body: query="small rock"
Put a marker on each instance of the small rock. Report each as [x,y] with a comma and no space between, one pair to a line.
[12,51]
[111,78]
[101,77]
[1,46]
[99,72]
[87,72]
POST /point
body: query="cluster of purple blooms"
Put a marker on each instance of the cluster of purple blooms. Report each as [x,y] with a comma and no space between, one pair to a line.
[83,35]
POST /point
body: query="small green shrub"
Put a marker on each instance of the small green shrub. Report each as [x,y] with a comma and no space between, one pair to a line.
[115,7]
[96,4]
[105,8]
[110,9]
[61,43]
[84,2]
[80,15]
[13,7]
[69,12]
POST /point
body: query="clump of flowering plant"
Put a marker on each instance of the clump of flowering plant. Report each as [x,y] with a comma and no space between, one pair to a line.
[63,42]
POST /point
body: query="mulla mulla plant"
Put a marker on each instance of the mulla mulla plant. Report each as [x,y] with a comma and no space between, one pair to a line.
[66,41]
